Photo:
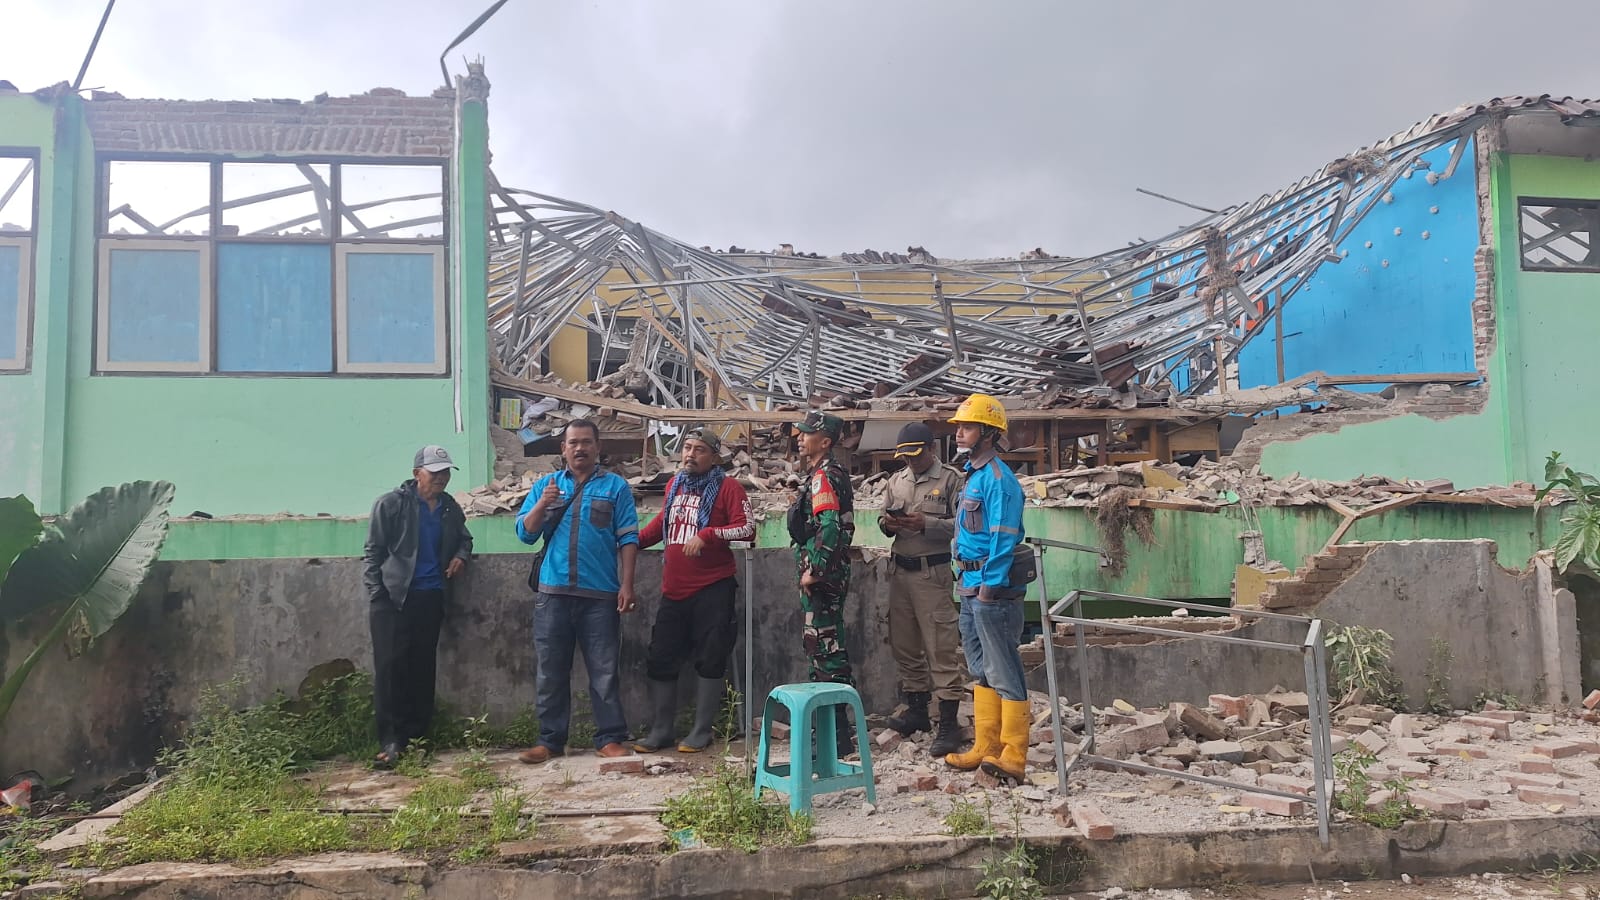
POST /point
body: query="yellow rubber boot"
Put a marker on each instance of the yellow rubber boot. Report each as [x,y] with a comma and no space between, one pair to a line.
[1012,763]
[985,730]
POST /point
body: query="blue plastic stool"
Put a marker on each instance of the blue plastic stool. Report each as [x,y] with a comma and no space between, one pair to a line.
[811,714]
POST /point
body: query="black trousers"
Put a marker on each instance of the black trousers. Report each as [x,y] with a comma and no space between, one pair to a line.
[405,644]
[700,629]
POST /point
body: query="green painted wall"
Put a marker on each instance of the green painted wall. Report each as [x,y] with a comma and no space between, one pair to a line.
[1552,351]
[470,212]
[1192,557]
[1465,449]
[232,445]
[24,414]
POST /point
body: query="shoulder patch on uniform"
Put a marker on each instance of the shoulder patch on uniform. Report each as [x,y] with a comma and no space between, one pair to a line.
[823,497]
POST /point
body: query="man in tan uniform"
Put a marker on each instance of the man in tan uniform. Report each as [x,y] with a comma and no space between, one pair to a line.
[919,513]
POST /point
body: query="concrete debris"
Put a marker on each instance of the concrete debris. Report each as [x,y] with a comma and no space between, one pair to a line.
[763,458]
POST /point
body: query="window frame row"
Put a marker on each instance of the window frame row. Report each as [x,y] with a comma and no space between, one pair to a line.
[16,356]
[209,248]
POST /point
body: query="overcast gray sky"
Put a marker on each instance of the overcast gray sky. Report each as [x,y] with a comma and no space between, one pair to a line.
[973,129]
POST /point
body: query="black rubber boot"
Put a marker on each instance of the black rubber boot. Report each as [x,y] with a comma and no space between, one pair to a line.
[948,740]
[844,734]
[708,694]
[916,717]
[664,707]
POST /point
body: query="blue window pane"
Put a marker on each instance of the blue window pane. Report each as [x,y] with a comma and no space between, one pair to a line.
[155,306]
[390,302]
[274,308]
[10,301]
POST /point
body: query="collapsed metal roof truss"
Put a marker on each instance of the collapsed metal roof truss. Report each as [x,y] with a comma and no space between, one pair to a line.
[1166,316]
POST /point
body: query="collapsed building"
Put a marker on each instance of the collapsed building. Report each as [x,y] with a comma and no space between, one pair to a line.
[211,292]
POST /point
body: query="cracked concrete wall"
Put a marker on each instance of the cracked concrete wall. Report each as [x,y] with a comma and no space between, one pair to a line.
[1507,631]
[196,624]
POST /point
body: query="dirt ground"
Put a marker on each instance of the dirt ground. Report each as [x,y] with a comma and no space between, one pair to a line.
[1551,883]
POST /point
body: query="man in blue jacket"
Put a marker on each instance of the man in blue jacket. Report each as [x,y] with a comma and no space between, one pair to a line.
[591,532]
[417,543]
[988,530]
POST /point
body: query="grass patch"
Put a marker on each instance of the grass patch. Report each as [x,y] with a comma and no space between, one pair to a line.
[233,795]
[720,809]
[21,862]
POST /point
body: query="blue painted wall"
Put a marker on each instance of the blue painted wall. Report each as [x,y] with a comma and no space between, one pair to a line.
[155,306]
[1413,315]
[274,308]
[391,307]
[10,305]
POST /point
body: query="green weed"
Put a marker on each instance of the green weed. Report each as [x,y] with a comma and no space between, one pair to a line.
[1436,698]
[1359,664]
[475,772]
[1010,875]
[966,818]
[232,794]
[721,810]
[21,861]
[1354,785]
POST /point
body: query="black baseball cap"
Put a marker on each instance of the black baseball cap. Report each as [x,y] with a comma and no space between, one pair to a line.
[913,437]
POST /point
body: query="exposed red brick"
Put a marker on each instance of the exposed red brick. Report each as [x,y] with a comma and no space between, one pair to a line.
[1532,779]
[1501,731]
[1593,700]
[1287,783]
[1456,749]
[1558,749]
[1549,795]
[929,782]
[1472,801]
[1438,804]
[1275,806]
[1091,821]
[1529,763]
[626,766]
[1229,705]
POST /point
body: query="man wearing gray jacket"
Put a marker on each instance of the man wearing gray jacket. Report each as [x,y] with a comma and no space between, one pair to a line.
[417,541]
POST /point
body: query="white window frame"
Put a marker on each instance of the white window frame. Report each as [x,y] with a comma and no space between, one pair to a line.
[341,297]
[16,359]
[103,362]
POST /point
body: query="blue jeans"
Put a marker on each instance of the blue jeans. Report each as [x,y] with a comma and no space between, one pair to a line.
[990,633]
[561,624]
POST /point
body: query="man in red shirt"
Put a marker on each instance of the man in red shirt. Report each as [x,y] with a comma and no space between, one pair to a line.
[696,619]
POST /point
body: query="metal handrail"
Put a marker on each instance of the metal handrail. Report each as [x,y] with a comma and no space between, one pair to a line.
[1311,648]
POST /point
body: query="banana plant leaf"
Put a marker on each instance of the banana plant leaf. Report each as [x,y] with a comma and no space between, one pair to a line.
[19,529]
[88,565]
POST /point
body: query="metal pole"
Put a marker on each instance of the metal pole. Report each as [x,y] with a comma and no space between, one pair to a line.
[1050,671]
[1083,677]
[749,656]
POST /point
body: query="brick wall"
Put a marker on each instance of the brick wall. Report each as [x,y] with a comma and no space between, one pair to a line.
[378,124]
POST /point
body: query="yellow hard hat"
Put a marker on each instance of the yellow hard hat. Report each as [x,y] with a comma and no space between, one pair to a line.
[983,410]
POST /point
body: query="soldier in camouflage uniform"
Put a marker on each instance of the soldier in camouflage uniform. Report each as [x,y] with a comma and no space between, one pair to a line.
[822,525]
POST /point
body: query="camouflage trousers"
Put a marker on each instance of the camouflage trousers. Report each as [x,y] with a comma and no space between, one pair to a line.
[824,631]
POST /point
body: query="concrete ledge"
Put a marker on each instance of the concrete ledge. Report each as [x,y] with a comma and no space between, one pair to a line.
[918,867]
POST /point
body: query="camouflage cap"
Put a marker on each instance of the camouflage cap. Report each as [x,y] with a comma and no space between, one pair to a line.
[817,420]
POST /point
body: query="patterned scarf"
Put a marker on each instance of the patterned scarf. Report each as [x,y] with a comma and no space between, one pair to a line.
[706,486]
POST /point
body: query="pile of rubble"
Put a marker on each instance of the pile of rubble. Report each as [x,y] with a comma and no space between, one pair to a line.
[771,469]
[1493,761]
[1207,485]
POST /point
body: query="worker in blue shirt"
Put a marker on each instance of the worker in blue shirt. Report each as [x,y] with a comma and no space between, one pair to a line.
[988,531]
[583,585]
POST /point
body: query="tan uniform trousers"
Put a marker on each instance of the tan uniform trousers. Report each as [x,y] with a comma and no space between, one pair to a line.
[923,631]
